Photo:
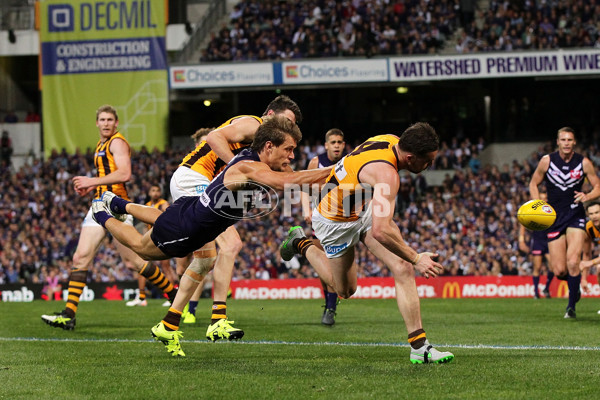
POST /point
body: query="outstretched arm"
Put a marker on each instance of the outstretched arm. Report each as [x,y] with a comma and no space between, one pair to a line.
[385,182]
[305,197]
[241,130]
[261,173]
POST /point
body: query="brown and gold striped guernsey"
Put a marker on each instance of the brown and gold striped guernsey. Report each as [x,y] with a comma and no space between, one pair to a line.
[593,232]
[105,164]
[205,161]
[341,203]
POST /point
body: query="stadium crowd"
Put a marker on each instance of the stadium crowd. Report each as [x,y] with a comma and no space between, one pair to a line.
[274,30]
[280,30]
[531,25]
[470,220]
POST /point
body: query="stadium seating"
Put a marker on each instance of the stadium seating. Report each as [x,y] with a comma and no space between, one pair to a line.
[275,30]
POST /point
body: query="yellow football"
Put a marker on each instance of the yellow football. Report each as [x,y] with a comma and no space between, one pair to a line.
[536,215]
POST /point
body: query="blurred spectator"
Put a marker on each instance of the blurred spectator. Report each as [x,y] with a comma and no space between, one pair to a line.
[32,116]
[6,150]
[11,117]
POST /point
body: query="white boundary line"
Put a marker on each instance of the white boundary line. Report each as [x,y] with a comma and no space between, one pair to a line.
[285,343]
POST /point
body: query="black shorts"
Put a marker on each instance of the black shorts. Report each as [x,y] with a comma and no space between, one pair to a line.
[184,227]
[539,244]
[569,218]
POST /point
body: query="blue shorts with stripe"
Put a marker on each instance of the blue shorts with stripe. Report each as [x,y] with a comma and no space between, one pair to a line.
[185,226]
[569,218]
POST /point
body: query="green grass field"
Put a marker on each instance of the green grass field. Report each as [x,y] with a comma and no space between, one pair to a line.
[504,348]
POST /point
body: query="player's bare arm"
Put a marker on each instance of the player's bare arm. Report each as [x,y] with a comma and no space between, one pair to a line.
[386,182]
[120,151]
[305,197]
[590,173]
[241,130]
[522,244]
[261,173]
[538,177]
[587,263]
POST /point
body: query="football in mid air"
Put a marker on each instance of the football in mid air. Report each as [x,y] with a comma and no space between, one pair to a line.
[536,215]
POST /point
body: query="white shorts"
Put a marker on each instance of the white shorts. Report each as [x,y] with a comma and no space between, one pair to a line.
[89,220]
[338,237]
[187,182]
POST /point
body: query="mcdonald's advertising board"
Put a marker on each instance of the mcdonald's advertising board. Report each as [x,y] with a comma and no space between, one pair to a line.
[103,52]
[383,288]
[368,288]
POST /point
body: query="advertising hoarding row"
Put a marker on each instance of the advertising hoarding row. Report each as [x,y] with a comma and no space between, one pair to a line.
[392,69]
[447,287]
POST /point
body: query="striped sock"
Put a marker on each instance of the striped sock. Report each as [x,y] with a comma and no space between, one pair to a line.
[158,279]
[219,311]
[302,245]
[417,338]
[76,284]
[172,319]
[142,295]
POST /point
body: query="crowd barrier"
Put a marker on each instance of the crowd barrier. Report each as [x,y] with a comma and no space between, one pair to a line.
[368,288]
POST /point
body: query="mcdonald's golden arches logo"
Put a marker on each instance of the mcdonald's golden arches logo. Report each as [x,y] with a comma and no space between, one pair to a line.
[452,290]
[563,289]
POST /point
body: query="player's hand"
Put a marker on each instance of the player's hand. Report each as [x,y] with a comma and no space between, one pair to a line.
[82,182]
[427,266]
[308,218]
[580,197]
[585,264]
[83,192]
[587,288]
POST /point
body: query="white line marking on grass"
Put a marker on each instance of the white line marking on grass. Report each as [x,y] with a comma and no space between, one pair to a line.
[275,342]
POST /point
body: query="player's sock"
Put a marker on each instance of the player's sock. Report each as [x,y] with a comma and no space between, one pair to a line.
[549,280]
[219,311]
[158,279]
[192,307]
[573,282]
[536,283]
[172,319]
[117,205]
[330,300]
[76,284]
[417,339]
[301,245]
[101,217]
[142,295]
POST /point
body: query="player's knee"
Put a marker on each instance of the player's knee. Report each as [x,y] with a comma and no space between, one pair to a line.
[203,261]
[232,247]
[81,260]
[402,270]
[346,293]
